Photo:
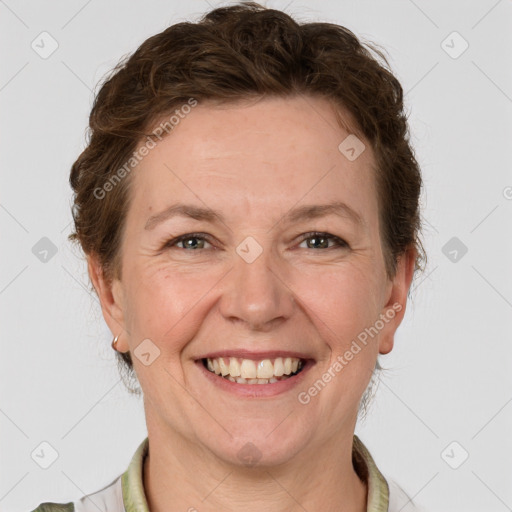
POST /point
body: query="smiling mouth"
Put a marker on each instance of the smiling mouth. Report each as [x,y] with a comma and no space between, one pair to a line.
[250,371]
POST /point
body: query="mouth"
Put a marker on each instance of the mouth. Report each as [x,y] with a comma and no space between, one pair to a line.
[264,371]
[248,374]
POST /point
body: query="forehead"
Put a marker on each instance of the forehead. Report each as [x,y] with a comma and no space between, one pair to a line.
[258,157]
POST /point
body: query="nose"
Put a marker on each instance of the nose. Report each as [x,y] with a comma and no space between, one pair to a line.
[257,293]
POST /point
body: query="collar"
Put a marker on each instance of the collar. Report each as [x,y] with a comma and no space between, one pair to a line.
[134,498]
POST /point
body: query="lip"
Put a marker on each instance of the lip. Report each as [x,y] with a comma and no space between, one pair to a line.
[256,390]
[256,356]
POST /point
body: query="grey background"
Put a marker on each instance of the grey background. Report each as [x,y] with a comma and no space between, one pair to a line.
[450,372]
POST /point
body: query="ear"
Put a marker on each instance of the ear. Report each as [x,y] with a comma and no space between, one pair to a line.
[110,295]
[394,309]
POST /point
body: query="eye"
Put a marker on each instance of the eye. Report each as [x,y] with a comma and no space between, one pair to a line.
[314,240]
[321,240]
[191,241]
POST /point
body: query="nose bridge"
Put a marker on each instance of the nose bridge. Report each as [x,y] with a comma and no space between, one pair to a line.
[256,292]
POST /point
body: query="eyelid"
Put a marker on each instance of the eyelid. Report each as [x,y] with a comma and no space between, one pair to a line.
[176,240]
[340,243]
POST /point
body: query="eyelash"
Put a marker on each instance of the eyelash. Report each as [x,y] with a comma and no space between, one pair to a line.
[341,244]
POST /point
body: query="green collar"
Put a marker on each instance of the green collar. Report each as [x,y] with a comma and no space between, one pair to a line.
[134,498]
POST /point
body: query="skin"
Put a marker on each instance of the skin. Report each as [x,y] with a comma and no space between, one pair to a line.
[253,162]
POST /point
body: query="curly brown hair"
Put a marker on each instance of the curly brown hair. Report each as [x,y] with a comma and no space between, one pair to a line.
[233,53]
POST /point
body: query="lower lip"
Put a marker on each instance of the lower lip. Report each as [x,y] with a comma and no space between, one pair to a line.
[256,390]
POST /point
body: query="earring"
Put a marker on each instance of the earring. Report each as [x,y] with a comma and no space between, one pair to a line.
[114,341]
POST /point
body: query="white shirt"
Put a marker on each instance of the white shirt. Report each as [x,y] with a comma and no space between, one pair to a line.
[126,492]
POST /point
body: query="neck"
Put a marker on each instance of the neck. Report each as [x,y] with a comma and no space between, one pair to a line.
[179,477]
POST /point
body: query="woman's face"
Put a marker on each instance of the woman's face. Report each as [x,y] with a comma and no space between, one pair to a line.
[252,283]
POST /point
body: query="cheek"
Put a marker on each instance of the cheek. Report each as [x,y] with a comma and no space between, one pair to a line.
[163,307]
[343,302]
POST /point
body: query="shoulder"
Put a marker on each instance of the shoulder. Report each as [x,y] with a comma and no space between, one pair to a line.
[109,498]
[55,507]
[384,493]
[399,500]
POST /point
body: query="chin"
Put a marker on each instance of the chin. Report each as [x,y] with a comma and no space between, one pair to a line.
[263,443]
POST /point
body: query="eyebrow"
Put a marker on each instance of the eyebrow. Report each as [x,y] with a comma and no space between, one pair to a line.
[301,213]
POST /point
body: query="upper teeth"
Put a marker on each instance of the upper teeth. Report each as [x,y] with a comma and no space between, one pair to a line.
[251,369]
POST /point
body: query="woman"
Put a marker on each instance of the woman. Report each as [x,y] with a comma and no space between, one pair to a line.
[248,205]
